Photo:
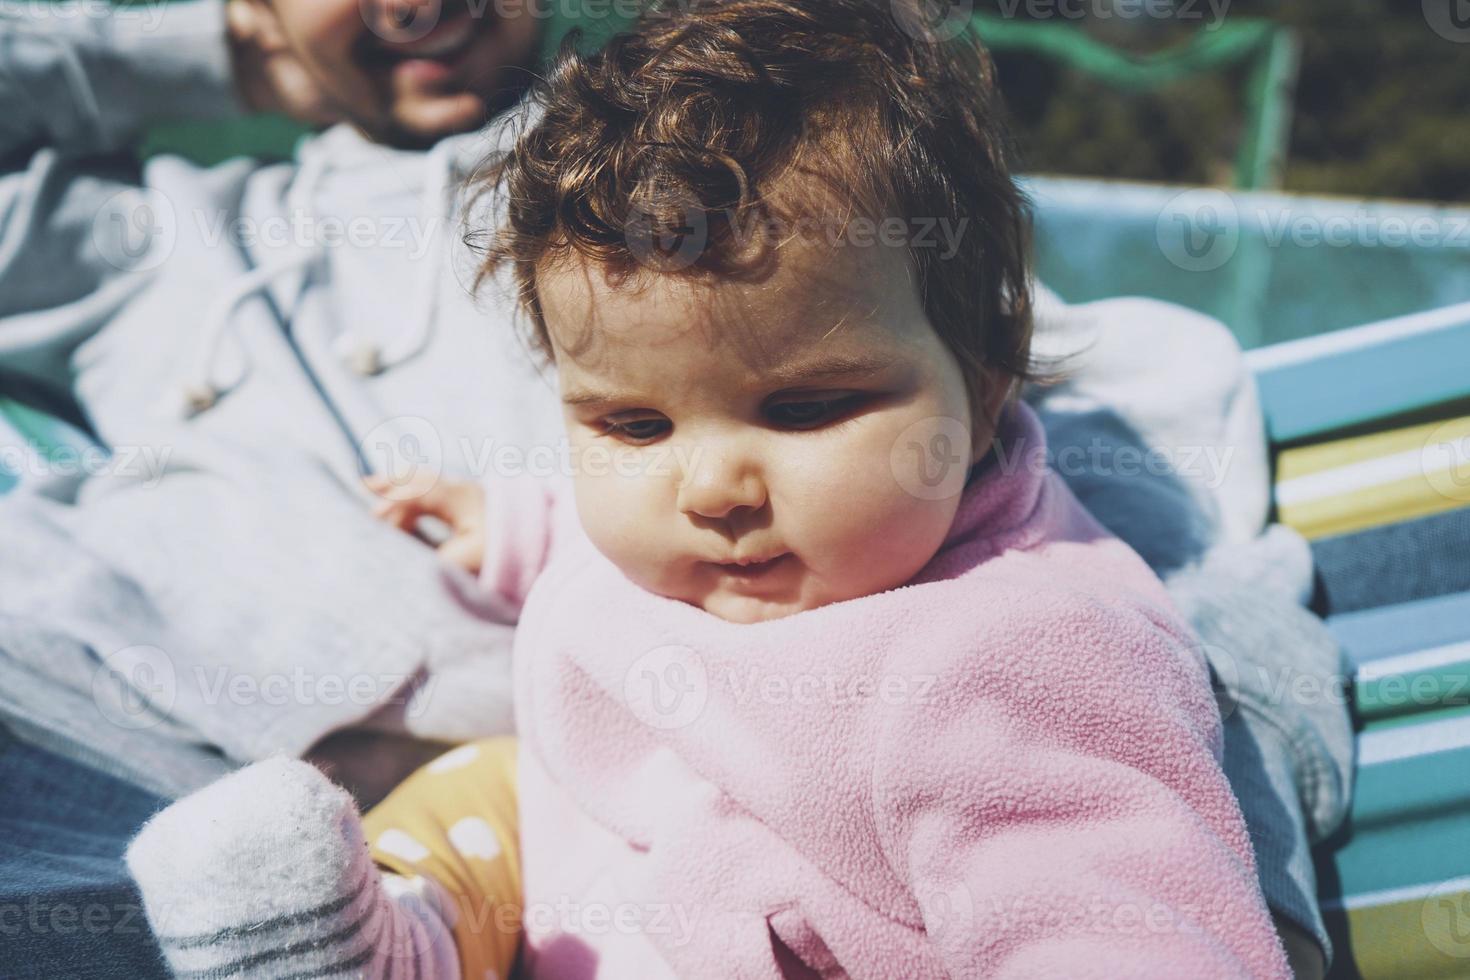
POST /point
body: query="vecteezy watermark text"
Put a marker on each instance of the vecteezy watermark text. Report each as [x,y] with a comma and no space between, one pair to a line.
[143,463]
[1200,229]
[150,12]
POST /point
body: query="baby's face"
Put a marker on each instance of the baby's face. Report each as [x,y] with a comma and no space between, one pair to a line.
[753,427]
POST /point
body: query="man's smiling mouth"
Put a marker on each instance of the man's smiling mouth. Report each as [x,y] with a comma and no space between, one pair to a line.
[448,39]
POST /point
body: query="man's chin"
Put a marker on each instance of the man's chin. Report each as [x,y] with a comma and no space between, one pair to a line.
[419,127]
[422,123]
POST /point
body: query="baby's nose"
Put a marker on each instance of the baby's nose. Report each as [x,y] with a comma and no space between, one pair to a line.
[721,485]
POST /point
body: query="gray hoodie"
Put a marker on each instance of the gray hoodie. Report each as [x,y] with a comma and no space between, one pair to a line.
[248,340]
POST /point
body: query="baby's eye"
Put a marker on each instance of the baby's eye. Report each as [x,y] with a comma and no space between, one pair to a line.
[636,429]
[808,413]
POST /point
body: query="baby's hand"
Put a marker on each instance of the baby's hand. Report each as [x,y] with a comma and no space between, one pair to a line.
[459,504]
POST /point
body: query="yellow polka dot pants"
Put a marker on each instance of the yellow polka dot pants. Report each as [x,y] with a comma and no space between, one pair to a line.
[454,821]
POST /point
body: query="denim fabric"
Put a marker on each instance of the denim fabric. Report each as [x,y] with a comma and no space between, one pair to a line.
[1384,566]
[68,908]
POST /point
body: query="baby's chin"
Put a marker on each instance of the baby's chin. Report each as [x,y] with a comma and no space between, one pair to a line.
[785,590]
[748,609]
[736,605]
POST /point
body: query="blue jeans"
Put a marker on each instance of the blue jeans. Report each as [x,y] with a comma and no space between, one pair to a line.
[68,909]
[1384,566]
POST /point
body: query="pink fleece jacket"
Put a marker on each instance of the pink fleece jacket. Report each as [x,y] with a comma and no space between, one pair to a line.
[1007,767]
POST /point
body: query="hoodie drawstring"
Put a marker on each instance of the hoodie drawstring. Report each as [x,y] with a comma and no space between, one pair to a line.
[367,356]
[362,354]
[202,395]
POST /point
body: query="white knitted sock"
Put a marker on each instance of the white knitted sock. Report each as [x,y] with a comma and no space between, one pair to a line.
[264,874]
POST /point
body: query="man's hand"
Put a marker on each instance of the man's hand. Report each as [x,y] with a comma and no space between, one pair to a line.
[1302,951]
[460,505]
[268,74]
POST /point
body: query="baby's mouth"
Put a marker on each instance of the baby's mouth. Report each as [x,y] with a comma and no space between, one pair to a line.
[750,569]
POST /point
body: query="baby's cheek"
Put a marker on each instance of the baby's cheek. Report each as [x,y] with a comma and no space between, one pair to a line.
[897,531]
[619,516]
[858,523]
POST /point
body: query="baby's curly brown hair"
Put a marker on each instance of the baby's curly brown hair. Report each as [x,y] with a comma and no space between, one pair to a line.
[683,130]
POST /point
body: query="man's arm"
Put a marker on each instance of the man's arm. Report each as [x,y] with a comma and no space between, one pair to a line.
[84,83]
[79,82]
[1150,381]
[1288,755]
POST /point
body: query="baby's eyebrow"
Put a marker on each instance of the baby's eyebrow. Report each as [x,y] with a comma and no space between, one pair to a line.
[579,397]
[790,374]
[828,366]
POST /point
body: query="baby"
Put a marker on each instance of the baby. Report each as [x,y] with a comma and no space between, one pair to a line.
[820,672]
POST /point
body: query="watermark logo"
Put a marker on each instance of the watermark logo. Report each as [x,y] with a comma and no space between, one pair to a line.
[407,453]
[1445,461]
[934,21]
[401,21]
[135,687]
[301,230]
[1233,675]
[1445,919]
[948,911]
[675,922]
[146,464]
[424,899]
[299,686]
[1363,227]
[1207,465]
[1212,12]
[135,230]
[1198,230]
[1450,19]
[667,687]
[41,915]
[665,245]
[138,686]
[149,11]
[914,233]
[829,689]
[929,459]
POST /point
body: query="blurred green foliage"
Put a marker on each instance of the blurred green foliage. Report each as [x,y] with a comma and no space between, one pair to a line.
[273,137]
[1381,109]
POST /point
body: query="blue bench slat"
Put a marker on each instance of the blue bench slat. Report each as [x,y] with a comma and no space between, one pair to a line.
[1309,387]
